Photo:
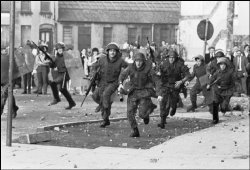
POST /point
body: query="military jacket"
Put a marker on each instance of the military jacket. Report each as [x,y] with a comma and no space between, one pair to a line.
[110,69]
[170,73]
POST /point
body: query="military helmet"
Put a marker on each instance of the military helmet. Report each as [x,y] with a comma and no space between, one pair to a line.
[222,60]
[219,53]
[172,53]
[139,56]
[60,45]
[44,45]
[199,57]
[112,45]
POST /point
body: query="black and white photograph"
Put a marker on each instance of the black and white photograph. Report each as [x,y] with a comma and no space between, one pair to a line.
[125,84]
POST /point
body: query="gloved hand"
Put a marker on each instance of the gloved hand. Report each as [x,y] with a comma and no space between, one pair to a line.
[120,87]
[34,72]
[159,98]
[187,83]
[178,84]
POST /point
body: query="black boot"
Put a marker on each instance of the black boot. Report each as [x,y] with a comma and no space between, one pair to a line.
[163,122]
[70,106]
[215,113]
[135,133]
[146,120]
[98,108]
[69,99]
[55,94]
[105,123]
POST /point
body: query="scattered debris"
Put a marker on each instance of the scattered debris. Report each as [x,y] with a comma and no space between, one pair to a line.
[56,128]
[42,118]
[153,160]
[124,144]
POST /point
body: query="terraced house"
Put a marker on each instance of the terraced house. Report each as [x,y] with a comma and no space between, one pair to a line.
[96,23]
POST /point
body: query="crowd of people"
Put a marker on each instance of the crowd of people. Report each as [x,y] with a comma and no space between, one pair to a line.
[147,72]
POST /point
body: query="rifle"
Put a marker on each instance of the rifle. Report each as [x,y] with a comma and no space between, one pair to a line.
[151,52]
[92,82]
[213,83]
[46,54]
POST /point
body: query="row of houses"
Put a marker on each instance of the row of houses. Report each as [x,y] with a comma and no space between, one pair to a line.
[87,24]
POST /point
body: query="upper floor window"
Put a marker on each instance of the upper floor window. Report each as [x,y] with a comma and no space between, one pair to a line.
[25,6]
[45,6]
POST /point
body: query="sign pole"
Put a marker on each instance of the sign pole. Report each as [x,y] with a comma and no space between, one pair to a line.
[10,89]
[205,41]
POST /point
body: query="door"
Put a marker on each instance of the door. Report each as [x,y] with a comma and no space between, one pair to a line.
[84,37]
[46,36]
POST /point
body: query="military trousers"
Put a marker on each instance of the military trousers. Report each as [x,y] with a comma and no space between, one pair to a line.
[102,96]
[169,101]
[138,100]
[196,89]
[60,83]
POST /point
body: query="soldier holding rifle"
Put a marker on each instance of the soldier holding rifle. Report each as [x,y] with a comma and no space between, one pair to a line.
[110,68]
[59,81]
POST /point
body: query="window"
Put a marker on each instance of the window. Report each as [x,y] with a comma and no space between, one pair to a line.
[25,6]
[45,6]
[5,6]
[25,34]
[131,35]
[107,35]
[146,32]
[67,35]
[5,38]
[164,33]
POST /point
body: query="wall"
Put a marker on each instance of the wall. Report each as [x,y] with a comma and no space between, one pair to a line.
[216,11]
[34,19]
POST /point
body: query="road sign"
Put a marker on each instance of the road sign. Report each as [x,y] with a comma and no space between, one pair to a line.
[201,30]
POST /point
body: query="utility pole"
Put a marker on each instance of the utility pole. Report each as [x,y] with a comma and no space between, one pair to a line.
[10,89]
[230,19]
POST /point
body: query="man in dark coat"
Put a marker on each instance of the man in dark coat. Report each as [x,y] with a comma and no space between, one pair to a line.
[210,56]
[140,92]
[168,85]
[199,70]
[223,88]
[59,81]
[110,67]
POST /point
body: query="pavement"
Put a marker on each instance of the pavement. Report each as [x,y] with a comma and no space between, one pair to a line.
[223,146]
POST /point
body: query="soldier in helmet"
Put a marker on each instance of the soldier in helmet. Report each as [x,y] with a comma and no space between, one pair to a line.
[223,88]
[62,77]
[110,67]
[199,70]
[140,92]
[168,86]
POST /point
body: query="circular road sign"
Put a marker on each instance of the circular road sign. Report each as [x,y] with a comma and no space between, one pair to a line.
[201,29]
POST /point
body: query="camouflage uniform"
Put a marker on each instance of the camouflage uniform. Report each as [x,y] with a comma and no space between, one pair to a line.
[198,71]
[165,87]
[60,79]
[108,81]
[223,89]
[140,91]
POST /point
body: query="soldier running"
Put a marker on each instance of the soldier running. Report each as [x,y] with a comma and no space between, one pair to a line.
[140,92]
[199,70]
[168,86]
[223,88]
[110,68]
[59,82]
